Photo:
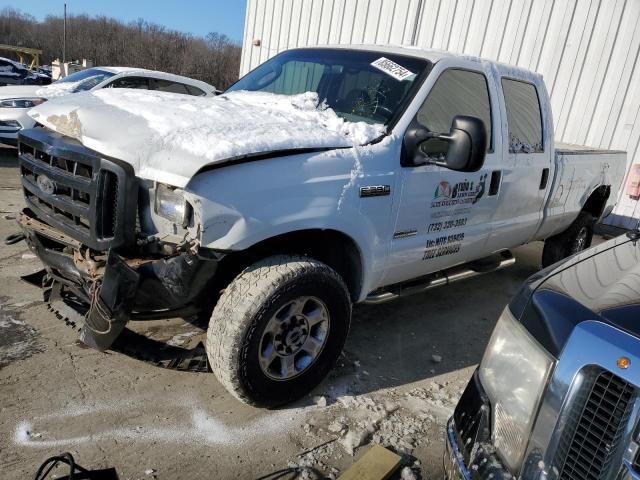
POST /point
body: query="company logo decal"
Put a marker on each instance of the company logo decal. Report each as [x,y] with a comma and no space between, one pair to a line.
[466,192]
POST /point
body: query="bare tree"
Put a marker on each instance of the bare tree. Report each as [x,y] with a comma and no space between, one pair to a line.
[107,41]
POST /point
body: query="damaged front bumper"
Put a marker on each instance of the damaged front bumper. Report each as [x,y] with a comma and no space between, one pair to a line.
[469,454]
[117,287]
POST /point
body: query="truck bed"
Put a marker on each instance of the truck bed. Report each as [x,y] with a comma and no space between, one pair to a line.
[579,171]
[573,149]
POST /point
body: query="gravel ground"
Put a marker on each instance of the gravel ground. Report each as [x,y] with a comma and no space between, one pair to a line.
[403,368]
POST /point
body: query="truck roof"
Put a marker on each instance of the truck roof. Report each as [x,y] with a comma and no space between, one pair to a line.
[434,55]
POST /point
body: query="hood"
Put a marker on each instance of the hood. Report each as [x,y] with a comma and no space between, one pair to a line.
[607,283]
[169,137]
[20,91]
[602,284]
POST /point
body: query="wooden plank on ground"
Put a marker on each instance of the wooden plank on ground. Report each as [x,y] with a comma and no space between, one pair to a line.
[377,464]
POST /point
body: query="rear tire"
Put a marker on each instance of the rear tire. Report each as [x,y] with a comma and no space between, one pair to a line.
[574,239]
[278,329]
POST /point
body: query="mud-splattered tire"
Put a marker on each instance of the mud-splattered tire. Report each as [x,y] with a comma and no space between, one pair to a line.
[248,347]
[574,239]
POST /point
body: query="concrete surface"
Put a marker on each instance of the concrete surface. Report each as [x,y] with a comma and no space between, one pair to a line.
[110,410]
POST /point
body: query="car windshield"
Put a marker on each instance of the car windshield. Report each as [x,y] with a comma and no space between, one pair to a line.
[86,79]
[358,85]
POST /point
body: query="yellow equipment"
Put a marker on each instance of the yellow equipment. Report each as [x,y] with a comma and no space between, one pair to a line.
[22,52]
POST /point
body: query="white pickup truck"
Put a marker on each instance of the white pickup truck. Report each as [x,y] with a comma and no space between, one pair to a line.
[325,177]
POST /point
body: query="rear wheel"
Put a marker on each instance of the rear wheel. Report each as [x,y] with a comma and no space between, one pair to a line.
[574,239]
[278,329]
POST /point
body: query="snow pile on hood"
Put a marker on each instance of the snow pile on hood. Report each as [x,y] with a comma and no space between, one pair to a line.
[19,91]
[169,137]
[58,89]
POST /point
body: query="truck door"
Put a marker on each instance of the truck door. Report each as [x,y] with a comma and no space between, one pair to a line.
[444,216]
[526,169]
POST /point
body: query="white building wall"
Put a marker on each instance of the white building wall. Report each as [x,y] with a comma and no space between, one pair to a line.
[587,51]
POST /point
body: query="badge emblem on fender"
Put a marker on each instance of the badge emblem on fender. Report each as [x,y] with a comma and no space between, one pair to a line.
[46,185]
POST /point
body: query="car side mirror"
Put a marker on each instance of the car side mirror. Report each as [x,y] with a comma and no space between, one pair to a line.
[462,149]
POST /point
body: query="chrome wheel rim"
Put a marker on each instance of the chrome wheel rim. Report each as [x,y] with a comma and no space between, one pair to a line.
[294,338]
[581,240]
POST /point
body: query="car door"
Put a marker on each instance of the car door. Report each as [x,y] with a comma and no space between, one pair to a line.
[526,169]
[443,218]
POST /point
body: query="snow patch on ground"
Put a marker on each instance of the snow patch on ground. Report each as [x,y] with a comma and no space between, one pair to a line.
[189,423]
[17,339]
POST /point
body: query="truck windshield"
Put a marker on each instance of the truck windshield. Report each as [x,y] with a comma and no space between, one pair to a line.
[358,85]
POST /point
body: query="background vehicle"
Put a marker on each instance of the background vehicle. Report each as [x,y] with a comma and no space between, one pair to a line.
[555,392]
[16,101]
[14,73]
[279,213]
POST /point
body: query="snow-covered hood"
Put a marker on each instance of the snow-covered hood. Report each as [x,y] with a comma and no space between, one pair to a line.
[53,90]
[170,137]
[19,91]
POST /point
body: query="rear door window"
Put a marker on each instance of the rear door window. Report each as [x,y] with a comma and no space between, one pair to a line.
[131,82]
[523,116]
[169,86]
[196,92]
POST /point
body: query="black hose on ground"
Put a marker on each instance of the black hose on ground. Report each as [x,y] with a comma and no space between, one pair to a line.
[14,238]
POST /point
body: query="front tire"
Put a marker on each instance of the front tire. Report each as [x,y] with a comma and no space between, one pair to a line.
[574,239]
[278,329]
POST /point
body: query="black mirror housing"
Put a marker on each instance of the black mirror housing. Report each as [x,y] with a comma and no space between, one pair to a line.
[467,148]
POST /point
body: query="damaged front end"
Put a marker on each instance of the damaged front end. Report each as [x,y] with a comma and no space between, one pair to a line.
[105,241]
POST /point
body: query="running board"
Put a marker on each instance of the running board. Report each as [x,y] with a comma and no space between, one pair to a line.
[444,277]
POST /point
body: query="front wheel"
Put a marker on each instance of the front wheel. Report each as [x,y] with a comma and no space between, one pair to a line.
[573,240]
[278,329]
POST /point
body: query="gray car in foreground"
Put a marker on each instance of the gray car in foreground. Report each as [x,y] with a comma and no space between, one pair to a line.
[556,393]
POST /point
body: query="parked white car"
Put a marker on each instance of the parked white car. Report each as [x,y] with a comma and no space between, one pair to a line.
[17,100]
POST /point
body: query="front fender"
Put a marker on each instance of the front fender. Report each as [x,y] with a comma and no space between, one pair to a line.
[241,205]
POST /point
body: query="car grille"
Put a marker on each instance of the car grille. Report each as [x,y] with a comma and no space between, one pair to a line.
[76,191]
[595,426]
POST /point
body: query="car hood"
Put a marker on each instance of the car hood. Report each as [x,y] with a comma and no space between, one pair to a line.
[602,283]
[170,137]
[19,91]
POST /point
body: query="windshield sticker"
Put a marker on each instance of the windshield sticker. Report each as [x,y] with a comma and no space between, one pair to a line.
[392,69]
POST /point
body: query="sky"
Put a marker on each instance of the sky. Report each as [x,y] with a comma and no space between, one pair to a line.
[198,17]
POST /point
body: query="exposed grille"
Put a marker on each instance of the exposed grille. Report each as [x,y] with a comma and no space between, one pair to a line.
[73,189]
[594,427]
[68,199]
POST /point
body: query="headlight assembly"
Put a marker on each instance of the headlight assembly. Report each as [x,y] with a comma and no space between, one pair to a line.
[171,204]
[21,102]
[513,372]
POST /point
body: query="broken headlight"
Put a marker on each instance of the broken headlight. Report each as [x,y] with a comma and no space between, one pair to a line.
[21,102]
[170,204]
[513,372]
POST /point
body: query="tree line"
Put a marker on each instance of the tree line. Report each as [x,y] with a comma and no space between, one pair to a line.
[107,41]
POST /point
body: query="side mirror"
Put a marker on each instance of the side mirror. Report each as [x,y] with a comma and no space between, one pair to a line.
[462,149]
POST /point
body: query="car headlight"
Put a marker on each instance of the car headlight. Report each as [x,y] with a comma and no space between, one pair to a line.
[171,204]
[21,102]
[513,372]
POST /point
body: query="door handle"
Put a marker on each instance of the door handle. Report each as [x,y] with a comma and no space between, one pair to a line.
[544,179]
[494,186]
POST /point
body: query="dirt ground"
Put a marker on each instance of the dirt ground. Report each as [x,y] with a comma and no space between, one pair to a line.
[404,365]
